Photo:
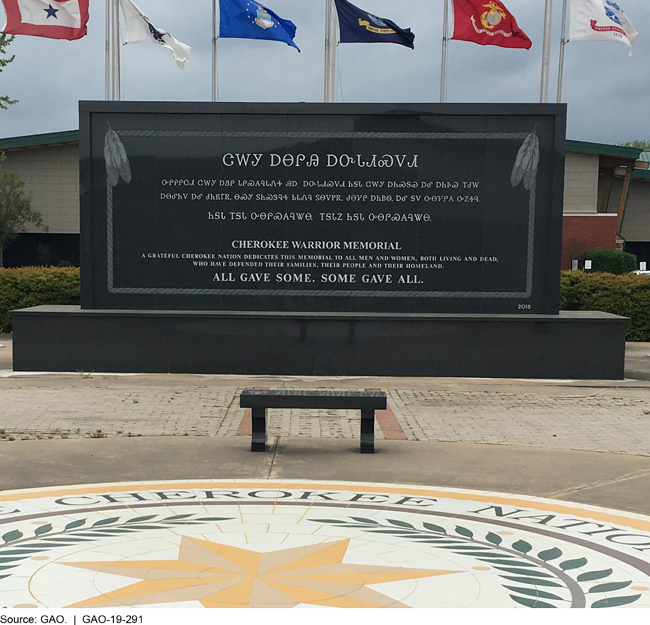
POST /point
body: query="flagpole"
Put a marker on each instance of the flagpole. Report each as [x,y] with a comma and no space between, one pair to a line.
[330,52]
[116,50]
[107,62]
[560,73]
[443,67]
[546,52]
[215,69]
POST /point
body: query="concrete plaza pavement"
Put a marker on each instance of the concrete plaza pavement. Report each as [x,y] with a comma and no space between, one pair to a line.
[586,441]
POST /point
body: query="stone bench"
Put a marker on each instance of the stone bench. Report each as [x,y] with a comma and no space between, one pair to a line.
[365,401]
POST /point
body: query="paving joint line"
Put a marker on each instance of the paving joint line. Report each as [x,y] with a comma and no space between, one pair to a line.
[274,453]
[622,478]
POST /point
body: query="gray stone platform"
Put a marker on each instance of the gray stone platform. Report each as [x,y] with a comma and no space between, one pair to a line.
[543,438]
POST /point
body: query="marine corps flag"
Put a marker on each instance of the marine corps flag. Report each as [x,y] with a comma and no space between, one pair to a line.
[359,26]
[488,23]
[54,19]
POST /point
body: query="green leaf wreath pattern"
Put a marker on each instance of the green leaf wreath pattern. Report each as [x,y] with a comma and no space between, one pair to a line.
[16,547]
[530,579]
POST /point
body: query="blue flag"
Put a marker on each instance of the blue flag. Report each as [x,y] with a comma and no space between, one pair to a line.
[247,19]
[359,26]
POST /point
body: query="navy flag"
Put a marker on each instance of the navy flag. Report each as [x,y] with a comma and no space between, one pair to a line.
[359,26]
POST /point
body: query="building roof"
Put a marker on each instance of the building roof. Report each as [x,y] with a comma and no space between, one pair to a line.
[643,174]
[587,147]
[33,141]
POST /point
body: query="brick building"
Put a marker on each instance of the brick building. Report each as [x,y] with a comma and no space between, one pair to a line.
[606,200]
[49,166]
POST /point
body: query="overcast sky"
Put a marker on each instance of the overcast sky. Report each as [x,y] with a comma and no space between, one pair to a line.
[608,92]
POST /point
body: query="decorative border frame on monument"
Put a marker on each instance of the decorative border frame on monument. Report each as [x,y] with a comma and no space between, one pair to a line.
[524,172]
[530,145]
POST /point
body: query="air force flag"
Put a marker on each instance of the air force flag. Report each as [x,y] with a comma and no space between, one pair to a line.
[359,26]
[247,19]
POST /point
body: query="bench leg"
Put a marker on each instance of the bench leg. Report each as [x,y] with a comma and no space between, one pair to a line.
[258,441]
[367,431]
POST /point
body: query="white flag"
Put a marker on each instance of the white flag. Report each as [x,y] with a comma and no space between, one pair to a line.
[140,30]
[600,20]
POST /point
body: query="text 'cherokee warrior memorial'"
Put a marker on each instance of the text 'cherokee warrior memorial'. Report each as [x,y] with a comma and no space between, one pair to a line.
[311,239]
[358,209]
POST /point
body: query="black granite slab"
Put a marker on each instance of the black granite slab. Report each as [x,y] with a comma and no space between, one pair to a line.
[573,345]
[401,208]
[283,398]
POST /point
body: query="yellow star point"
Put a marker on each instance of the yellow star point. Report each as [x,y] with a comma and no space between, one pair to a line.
[223,576]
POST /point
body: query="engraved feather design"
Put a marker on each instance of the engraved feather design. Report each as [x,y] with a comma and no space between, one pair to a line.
[117,162]
[525,167]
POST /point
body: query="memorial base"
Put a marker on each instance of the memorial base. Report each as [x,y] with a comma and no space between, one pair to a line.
[575,345]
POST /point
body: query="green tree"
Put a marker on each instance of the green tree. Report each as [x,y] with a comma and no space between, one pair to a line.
[5,40]
[15,209]
[641,144]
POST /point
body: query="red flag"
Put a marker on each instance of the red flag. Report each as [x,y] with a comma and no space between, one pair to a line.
[488,23]
[55,19]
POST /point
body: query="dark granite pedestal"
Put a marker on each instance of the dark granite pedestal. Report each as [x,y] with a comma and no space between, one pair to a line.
[577,345]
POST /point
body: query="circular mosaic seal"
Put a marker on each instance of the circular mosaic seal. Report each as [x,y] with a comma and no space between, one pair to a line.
[303,543]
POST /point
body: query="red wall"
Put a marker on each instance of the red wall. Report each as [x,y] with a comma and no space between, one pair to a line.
[586,232]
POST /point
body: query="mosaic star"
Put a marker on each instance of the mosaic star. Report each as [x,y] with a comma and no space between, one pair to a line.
[222,576]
